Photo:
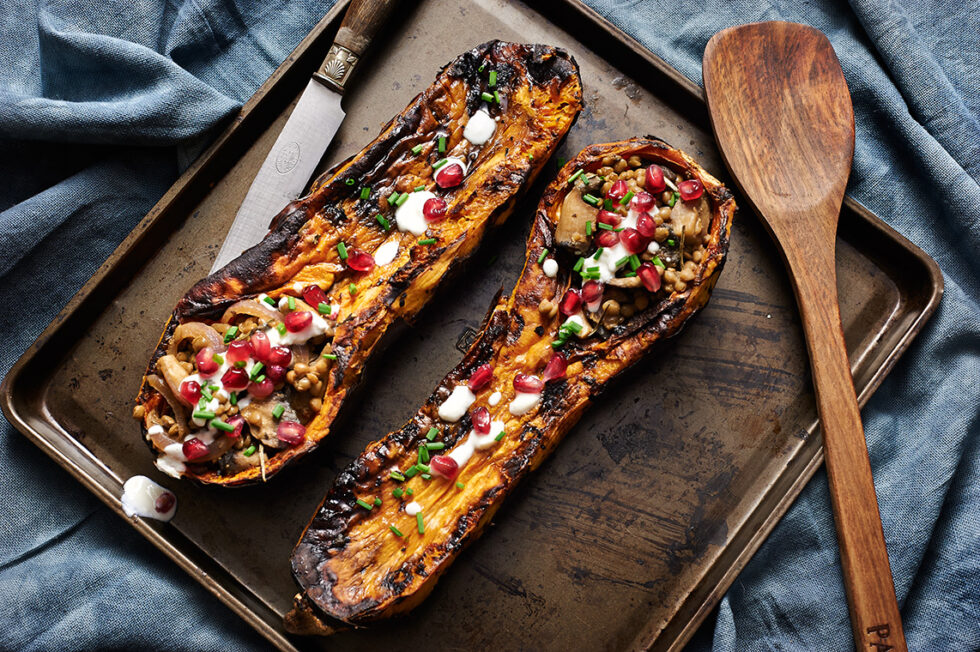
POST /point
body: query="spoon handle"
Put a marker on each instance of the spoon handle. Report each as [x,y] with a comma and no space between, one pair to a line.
[875,618]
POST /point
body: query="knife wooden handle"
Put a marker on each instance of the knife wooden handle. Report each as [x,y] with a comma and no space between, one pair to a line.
[361,22]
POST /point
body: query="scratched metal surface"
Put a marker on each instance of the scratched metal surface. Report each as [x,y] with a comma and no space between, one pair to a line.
[651,501]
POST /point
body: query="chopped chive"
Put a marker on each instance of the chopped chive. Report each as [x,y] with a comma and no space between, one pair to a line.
[629,274]
[592,269]
[352,289]
[442,144]
[323,308]
[396,475]
[598,252]
[377,502]
[460,485]
[423,454]
[367,506]
[422,467]
[588,228]
[673,199]
[393,198]
[578,264]
[417,149]
[486,97]
[350,182]
[231,333]
[250,451]
[418,519]
[575,176]
[557,344]
[626,198]
[241,364]
[574,326]
[396,531]
[342,250]
[330,356]
[659,263]
[281,328]
[435,446]
[409,491]
[482,67]
[291,302]
[383,221]
[438,164]
[203,414]
[426,476]
[221,425]
[544,254]
[206,393]
[604,226]
[607,204]
[402,198]
[500,436]
[217,358]
[260,378]
[397,493]
[256,370]
[622,261]
[419,188]
[496,96]
[591,199]
[433,432]
[493,78]
[410,472]
[619,229]
[427,241]
[593,276]
[634,262]
[233,398]
[530,156]
[278,410]
[270,301]
[365,192]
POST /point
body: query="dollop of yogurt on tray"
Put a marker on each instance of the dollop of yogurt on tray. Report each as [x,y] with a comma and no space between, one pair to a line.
[144,497]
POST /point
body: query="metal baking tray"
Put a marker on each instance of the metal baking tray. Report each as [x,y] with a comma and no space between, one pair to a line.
[639,522]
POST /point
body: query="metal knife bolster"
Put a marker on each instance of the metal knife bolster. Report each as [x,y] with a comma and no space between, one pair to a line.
[337,68]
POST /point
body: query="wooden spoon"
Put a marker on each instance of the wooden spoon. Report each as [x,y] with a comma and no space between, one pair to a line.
[782,115]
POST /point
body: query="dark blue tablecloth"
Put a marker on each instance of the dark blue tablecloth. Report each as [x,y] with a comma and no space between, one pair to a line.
[103,103]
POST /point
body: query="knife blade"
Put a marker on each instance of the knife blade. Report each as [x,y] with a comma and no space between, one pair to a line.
[285,173]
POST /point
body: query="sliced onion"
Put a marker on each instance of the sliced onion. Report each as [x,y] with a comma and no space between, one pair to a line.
[194,329]
[173,373]
[180,415]
[161,440]
[253,308]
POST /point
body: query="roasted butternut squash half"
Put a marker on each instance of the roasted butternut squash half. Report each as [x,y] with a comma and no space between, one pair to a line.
[257,359]
[626,245]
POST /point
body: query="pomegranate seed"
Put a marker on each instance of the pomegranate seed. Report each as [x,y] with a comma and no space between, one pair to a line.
[445,466]
[236,422]
[607,239]
[238,351]
[528,384]
[194,448]
[643,202]
[555,368]
[592,294]
[314,296]
[263,389]
[481,420]
[275,373]
[235,379]
[164,502]
[434,209]
[449,176]
[280,355]
[481,377]
[261,347]
[359,261]
[646,226]
[655,179]
[570,303]
[190,391]
[205,361]
[632,241]
[618,190]
[298,320]
[649,276]
[608,217]
[290,432]
[690,189]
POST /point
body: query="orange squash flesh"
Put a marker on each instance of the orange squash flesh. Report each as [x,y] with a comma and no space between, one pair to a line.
[350,564]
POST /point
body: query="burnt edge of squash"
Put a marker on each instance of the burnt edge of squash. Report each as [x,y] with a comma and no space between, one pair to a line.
[325,537]
[272,262]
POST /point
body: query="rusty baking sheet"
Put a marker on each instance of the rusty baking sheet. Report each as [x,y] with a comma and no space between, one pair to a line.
[633,530]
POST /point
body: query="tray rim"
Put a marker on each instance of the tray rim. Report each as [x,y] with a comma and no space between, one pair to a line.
[89,292]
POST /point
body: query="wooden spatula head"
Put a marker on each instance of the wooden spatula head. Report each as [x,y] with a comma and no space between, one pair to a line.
[783,117]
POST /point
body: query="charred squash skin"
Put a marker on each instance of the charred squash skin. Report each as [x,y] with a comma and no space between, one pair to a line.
[348,563]
[540,97]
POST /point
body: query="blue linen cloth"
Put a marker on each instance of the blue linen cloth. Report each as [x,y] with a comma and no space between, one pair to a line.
[103,103]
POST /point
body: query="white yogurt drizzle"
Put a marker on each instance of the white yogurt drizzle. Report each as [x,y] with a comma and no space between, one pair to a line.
[409,216]
[454,407]
[413,508]
[317,326]
[479,128]
[610,255]
[386,252]
[476,441]
[523,403]
[139,498]
[550,268]
[494,398]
